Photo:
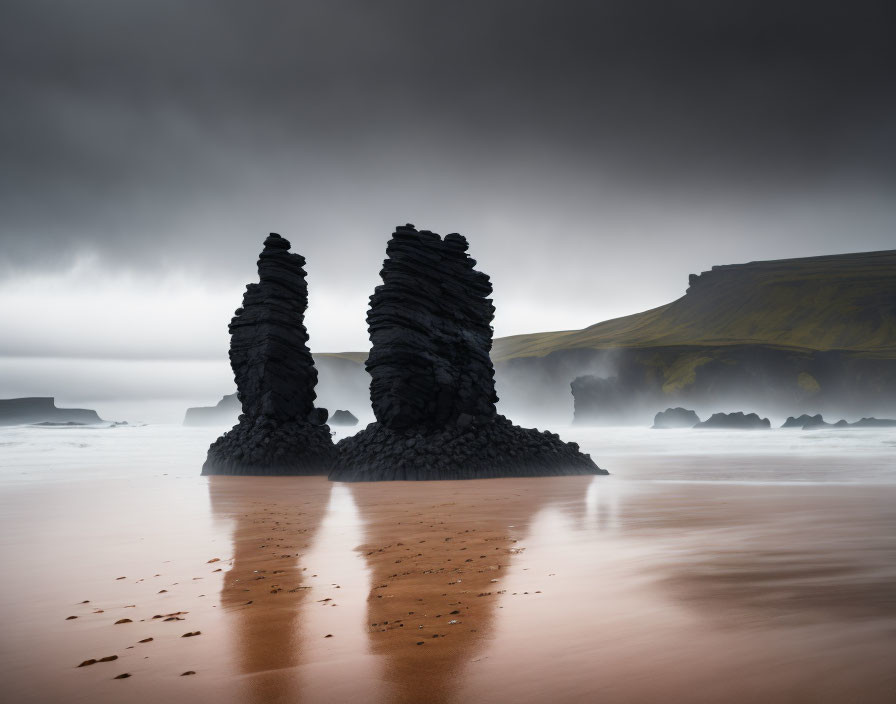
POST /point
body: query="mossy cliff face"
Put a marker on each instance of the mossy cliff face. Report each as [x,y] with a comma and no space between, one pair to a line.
[788,335]
[784,381]
[842,302]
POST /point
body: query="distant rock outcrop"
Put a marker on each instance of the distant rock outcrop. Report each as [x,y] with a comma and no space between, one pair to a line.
[735,421]
[343,418]
[225,412]
[279,431]
[675,418]
[874,423]
[42,410]
[800,421]
[432,381]
[807,422]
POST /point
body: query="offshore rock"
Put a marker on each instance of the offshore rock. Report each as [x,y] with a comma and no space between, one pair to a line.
[735,421]
[801,421]
[806,422]
[279,431]
[675,418]
[432,382]
[874,423]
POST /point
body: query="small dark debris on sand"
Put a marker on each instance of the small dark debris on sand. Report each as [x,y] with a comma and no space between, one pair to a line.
[122,676]
[145,640]
[123,620]
[191,633]
[69,618]
[108,658]
[92,661]
[188,672]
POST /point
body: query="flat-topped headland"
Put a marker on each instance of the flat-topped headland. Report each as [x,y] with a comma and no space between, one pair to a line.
[432,381]
[42,409]
[279,431]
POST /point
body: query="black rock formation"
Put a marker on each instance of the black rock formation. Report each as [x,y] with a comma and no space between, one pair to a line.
[736,421]
[806,422]
[343,418]
[42,409]
[799,421]
[432,381]
[279,431]
[225,412]
[676,418]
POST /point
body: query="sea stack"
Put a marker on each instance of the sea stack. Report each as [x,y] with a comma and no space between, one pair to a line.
[280,431]
[432,382]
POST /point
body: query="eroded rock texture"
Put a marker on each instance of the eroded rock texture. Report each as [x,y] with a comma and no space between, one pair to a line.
[279,430]
[432,381]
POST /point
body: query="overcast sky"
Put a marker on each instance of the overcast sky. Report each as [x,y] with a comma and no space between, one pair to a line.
[594,153]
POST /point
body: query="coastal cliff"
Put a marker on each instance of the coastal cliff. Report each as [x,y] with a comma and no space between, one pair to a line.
[42,409]
[791,334]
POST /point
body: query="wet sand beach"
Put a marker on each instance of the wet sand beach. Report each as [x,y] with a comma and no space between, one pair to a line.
[656,583]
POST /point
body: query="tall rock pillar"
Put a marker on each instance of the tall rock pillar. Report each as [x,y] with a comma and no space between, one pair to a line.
[432,382]
[279,431]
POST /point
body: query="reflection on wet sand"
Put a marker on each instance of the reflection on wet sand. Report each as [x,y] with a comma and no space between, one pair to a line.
[700,593]
[439,552]
[265,586]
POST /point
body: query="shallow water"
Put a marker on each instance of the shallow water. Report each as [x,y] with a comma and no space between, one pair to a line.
[710,565]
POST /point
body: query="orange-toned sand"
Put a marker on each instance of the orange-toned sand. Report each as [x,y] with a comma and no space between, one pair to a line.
[526,590]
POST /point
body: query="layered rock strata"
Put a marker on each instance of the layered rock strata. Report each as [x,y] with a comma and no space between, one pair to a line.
[432,381]
[279,431]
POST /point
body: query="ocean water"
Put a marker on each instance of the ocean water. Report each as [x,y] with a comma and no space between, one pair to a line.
[855,455]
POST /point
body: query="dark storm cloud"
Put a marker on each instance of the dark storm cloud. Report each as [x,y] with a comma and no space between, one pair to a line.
[174,134]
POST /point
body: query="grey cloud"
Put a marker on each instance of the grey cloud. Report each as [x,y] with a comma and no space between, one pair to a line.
[174,135]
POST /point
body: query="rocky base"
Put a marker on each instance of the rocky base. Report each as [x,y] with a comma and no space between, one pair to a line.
[495,448]
[264,447]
